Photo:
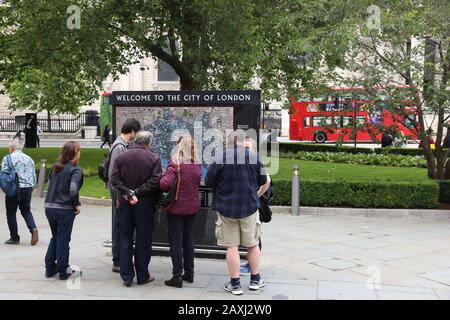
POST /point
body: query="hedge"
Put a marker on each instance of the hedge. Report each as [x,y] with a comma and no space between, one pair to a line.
[444,191]
[359,194]
[394,160]
[286,147]
[401,151]
[294,147]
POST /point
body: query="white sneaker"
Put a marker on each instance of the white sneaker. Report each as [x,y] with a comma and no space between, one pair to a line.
[236,290]
[256,285]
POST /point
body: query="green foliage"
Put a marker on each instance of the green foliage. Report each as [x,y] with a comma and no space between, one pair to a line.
[409,46]
[444,191]
[393,160]
[359,194]
[402,151]
[312,147]
[218,44]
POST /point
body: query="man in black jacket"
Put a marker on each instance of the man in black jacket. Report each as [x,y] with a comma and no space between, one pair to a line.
[135,179]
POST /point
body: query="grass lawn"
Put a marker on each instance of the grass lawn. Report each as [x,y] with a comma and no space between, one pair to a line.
[89,160]
[309,170]
[95,188]
[313,170]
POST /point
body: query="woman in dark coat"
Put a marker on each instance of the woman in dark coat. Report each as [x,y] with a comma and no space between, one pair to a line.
[62,204]
[181,214]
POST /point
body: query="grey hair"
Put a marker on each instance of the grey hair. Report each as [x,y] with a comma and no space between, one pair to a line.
[17,143]
[144,137]
[252,142]
[235,138]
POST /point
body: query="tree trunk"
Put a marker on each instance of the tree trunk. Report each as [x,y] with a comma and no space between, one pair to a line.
[428,153]
[440,165]
[188,83]
[447,170]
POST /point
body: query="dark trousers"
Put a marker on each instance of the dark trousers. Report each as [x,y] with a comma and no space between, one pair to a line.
[38,141]
[115,237]
[181,243]
[61,224]
[22,201]
[106,141]
[139,217]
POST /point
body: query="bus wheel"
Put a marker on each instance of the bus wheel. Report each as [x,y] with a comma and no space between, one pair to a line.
[320,137]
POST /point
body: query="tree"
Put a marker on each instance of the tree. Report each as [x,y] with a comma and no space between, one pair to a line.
[220,44]
[409,47]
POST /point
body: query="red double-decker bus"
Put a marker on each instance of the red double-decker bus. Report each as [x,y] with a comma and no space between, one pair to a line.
[348,115]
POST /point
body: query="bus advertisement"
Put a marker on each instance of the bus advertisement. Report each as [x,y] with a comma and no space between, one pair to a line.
[348,115]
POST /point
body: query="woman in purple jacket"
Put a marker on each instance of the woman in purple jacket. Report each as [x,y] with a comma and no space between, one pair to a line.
[181,214]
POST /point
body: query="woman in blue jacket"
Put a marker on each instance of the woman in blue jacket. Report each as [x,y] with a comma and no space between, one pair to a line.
[62,204]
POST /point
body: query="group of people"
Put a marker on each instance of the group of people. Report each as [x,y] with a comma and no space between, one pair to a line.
[136,180]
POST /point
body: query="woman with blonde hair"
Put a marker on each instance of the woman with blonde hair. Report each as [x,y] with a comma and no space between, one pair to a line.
[181,213]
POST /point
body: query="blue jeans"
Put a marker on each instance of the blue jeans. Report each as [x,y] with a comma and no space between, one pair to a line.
[23,202]
[57,257]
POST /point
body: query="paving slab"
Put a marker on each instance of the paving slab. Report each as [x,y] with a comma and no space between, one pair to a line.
[305,257]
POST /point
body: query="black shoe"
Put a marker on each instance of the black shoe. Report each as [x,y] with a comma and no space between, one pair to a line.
[116,268]
[11,241]
[127,283]
[50,274]
[70,274]
[188,278]
[150,279]
[176,282]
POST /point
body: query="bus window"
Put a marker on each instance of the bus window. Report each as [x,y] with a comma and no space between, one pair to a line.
[322,121]
[410,121]
[346,121]
[306,122]
[360,121]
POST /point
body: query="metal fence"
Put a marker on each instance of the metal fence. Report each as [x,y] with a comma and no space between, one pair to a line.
[56,123]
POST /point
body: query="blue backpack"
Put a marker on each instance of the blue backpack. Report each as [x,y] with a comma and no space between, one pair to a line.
[9,179]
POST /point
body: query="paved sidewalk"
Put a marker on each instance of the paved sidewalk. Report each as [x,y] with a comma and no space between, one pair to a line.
[306,257]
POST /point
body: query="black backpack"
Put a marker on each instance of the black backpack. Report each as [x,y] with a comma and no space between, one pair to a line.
[265,213]
[103,168]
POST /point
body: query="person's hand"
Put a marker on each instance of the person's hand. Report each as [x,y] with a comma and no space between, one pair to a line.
[77,210]
[134,200]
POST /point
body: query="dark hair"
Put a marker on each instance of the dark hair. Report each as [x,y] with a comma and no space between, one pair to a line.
[131,125]
[68,153]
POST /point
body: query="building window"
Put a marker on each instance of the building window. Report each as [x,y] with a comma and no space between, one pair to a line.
[166,72]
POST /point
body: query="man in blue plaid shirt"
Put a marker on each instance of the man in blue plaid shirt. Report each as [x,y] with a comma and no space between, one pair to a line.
[236,178]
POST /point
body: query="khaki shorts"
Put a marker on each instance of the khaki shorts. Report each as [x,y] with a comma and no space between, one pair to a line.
[234,232]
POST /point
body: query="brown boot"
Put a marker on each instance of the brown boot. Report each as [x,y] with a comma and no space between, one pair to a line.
[34,237]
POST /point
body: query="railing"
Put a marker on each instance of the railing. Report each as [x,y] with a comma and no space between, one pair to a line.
[57,123]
